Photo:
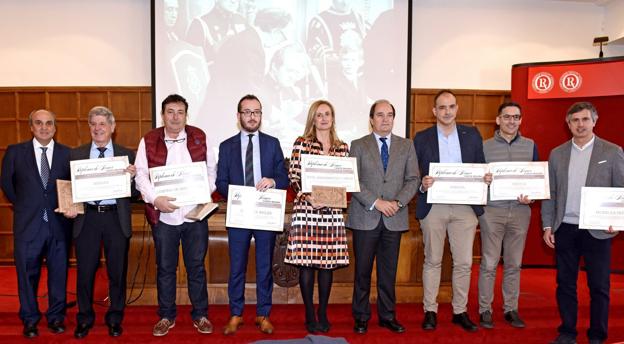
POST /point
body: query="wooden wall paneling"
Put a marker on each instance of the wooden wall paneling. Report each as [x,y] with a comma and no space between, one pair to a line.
[30,100]
[64,104]
[8,105]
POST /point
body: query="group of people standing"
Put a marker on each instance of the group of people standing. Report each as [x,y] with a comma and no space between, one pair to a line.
[392,170]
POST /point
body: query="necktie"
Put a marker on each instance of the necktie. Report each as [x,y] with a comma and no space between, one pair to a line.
[45,176]
[249,172]
[101,155]
[384,153]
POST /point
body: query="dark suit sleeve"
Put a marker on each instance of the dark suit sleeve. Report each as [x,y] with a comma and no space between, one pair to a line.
[134,193]
[479,155]
[223,170]
[280,172]
[8,169]
[411,181]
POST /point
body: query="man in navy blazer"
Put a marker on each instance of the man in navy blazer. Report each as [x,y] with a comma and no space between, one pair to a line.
[29,173]
[250,158]
[447,142]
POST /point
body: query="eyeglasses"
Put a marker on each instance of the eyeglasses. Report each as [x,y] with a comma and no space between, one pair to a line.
[510,117]
[249,113]
[175,140]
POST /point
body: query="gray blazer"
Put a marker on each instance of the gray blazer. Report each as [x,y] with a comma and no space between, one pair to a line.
[606,169]
[400,182]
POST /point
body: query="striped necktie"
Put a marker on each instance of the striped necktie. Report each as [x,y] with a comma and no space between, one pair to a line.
[249,172]
[45,176]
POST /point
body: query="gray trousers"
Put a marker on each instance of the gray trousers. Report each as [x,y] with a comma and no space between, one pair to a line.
[460,222]
[506,229]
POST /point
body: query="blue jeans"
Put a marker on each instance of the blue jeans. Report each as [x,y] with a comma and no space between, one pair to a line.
[194,239]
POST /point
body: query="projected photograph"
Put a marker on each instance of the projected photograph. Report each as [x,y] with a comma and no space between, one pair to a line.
[289,53]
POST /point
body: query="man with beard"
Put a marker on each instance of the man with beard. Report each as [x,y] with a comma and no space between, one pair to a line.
[255,159]
[447,142]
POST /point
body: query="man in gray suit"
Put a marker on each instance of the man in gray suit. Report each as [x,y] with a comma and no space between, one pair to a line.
[586,160]
[378,215]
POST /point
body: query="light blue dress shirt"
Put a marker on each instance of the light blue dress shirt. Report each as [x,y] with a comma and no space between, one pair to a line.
[450,150]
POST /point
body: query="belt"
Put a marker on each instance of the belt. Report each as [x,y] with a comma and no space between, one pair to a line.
[102,208]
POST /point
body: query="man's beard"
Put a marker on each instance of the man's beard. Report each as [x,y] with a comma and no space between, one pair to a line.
[250,129]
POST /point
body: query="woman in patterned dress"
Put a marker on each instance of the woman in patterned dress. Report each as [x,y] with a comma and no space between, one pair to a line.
[317,241]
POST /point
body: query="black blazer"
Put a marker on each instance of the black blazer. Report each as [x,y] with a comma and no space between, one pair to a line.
[428,151]
[21,183]
[124,210]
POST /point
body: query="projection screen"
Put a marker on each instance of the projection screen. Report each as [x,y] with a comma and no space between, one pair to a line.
[289,53]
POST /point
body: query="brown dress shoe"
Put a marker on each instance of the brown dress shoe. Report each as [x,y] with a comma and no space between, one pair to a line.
[264,325]
[233,325]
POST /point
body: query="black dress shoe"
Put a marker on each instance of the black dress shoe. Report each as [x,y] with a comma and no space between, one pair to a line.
[323,326]
[30,331]
[311,327]
[361,326]
[430,321]
[463,320]
[114,330]
[513,318]
[56,327]
[393,325]
[82,330]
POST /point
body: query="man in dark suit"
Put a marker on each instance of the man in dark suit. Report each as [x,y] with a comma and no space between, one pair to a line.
[378,215]
[29,173]
[261,166]
[447,142]
[104,222]
[586,160]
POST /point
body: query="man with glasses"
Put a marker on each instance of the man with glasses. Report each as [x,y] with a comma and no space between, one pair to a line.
[255,159]
[173,144]
[504,224]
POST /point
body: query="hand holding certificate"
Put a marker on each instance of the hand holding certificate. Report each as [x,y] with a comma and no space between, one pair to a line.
[510,179]
[98,179]
[457,184]
[253,209]
[187,183]
[601,208]
[322,170]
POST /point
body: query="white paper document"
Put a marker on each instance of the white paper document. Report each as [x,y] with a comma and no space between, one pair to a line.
[457,184]
[511,179]
[601,208]
[323,170]
[187,183]
[98,179]
[253,209]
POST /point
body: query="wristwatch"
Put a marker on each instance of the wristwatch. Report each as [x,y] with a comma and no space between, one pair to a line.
[399,204]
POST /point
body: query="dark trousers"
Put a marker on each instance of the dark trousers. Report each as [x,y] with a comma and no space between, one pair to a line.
[383,244]
[194,239]
[238,243]
[98,229]
[28,258]
[572,243]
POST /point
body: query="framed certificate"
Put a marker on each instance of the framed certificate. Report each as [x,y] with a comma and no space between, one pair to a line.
[322,170]
[98,179]
[601,208]
[253,209]
[457,184]
[187,183]
[510,179]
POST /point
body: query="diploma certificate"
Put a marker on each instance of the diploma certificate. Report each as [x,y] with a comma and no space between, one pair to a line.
[510,179]
[601,208]
[98,179]
[457,184]
[325,170]
[187,183]
[253,209]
